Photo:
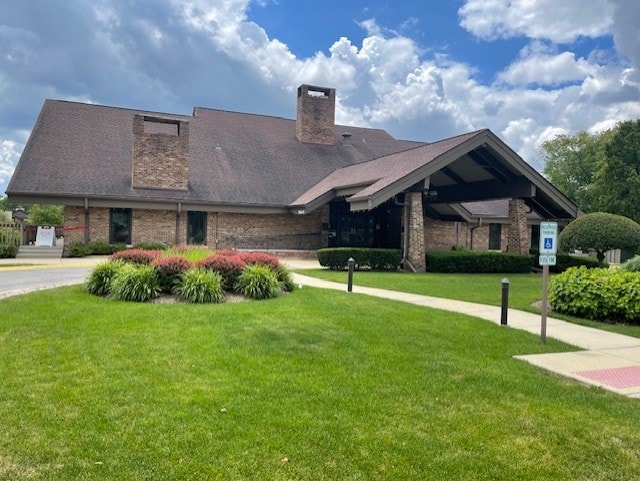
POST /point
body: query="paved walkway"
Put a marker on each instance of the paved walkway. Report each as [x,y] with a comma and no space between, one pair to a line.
[608,360]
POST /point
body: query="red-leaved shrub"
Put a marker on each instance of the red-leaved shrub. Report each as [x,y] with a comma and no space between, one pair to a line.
[169,270]
[260,258]
[141,257]
[229,268]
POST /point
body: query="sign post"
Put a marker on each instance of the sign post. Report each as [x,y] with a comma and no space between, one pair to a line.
[548,250]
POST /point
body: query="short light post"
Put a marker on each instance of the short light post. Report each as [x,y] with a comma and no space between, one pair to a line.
[505,302]
[351,263]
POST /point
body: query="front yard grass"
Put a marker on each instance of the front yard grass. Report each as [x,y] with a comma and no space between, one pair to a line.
[313,385]
[524,290]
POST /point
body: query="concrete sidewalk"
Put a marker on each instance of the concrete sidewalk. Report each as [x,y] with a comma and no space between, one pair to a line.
[609,360]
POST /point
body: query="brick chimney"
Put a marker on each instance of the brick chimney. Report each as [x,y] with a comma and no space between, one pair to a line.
[316,115]
[160,153]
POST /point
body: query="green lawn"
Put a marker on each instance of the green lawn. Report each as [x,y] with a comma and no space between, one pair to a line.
[313,385]
[524,290]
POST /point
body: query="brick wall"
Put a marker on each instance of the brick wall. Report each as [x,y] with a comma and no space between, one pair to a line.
[154,226]
[160,160]
[73,224]
[441,235]
[270,231]
[315,115]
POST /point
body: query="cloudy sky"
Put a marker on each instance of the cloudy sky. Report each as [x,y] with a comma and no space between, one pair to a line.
[423,70]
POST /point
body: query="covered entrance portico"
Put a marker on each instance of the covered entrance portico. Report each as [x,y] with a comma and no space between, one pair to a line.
[371,202]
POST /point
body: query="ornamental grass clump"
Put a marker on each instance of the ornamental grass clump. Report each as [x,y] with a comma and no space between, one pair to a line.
[632,265]
[140,257]
[285,279]
[170,270]
[135,283]
[101,277]
[199,286]
[258,282]
[229,268]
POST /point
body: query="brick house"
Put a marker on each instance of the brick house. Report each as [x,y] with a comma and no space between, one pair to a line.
[237,180]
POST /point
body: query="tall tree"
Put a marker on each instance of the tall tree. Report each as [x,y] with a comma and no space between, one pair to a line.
[618,178]
[571,163]
[46,214]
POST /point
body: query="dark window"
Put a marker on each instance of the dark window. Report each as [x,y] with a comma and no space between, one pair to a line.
[495,237]
[120,226]
[196,227]
[535,237]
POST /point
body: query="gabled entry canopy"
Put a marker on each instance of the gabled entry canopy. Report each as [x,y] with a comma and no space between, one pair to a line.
[470,167]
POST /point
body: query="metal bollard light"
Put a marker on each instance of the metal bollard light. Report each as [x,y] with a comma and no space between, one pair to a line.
[351,263]
[505,301]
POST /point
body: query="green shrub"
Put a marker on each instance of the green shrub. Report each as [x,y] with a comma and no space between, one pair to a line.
[632,265]
[151,246]
[77,249]
[200,286]
[336,258]
[169,270]
[258,282]
[99,248]
[8,251]
[476,262]
[120,246]
[101,277]
[229,268]
[136,283]
[599,294]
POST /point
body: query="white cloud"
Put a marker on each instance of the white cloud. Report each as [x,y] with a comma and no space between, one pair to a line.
[558,21]
[539,64]
[179,54]
[9,154]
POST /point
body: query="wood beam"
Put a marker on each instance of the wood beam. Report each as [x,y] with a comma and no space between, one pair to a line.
[483,190]
[480,157]
[452,175]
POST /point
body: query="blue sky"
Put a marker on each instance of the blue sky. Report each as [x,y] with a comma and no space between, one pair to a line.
[527,69]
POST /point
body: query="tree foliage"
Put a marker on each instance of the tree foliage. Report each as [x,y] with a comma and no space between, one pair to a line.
[571,163]
[599,172]
[601,232]
[46,214]
[619,176]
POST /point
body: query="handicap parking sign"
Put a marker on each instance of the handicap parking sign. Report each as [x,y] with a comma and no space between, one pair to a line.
[548,237]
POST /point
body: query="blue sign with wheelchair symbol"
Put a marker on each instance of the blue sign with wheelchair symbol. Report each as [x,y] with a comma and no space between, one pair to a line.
[548,243]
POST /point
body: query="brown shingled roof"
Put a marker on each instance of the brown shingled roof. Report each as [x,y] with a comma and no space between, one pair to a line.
[84,150]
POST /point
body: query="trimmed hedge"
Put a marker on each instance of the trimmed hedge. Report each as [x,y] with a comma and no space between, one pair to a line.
[366,258]
[478,262]
[599,294]
[8,251]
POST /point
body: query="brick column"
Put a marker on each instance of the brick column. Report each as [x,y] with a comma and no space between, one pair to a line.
[518,239]
[416,250]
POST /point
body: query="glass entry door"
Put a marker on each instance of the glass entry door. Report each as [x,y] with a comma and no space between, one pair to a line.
[196,228]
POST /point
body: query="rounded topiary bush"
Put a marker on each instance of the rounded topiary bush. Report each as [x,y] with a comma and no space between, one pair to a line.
[200,285]
[258,282]
[229,267]
[169,270]
[599,294]
[101,277]
[136,283]
[601,232]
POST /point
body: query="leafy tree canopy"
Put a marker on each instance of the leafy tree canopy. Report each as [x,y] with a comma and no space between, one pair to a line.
[601,232]
[46,214]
